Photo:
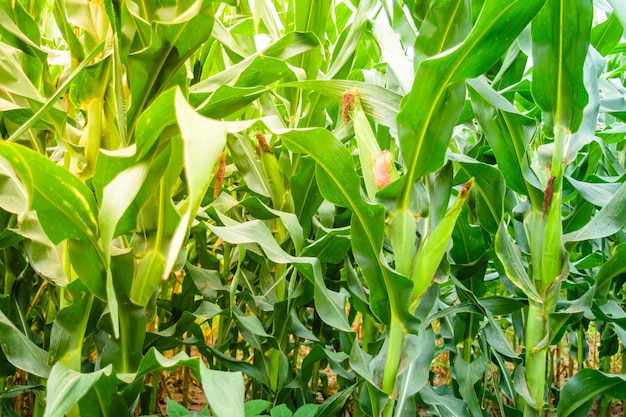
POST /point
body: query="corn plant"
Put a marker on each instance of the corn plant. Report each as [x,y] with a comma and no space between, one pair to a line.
[305,204]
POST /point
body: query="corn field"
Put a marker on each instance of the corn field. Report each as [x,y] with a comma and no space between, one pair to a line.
[312,208]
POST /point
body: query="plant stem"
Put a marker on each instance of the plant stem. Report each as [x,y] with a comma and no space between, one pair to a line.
[467,343]
[187,350]
[536,350]
[369,332]
[39,405]
[281,291]
[392,363]
[315,374]
[623,349]
[154,395]
[604,403]
[580,348]
[9,276]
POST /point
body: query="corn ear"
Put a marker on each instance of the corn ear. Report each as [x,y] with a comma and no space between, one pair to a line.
[551,263]
[278,185]
[377,165]
[402,236]
[433,248]
[535,226]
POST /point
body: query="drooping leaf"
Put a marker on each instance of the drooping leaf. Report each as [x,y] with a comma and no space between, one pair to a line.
[20,351]
[578,392]
[64,205]
[443,405]
[66,387]
[418,352]
[467,375]
[609,220]
[334,403]
[610,269]
[225,392]
[511,259]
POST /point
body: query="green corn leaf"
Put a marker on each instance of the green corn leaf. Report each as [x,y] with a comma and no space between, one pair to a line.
[176,410]
[311,16]
[124,350]
[511,259]
[16,192]
[329,305]
[20,351]
[225,392]
[339,183]
[67,31]
[402,230]
[418,352]
[341,56]
[203,140]
[619,9]
[445,25]
[17,82]
[20,30]
[334,403]
[289,220]
[361,362]
[491,185]
[65,208]
[52,101]
[436,95]
[597,193]
[433,249]
[227,100]
[606,35]
[379,103]
[439,190]
[444,405]
[9,238]
[561,33]
[165,38]
[256,407]
[103,399]
[467,375]
[610,269]
[117,196]
[609,220]
[307,410]
[68,328]
[332,247]
[493,330]
[507,132]
[579,391]
[66,387]
[290,45]
[249,167]
[64,205]
[306,195]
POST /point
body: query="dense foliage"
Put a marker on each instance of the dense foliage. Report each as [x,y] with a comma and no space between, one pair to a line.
[321,207]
